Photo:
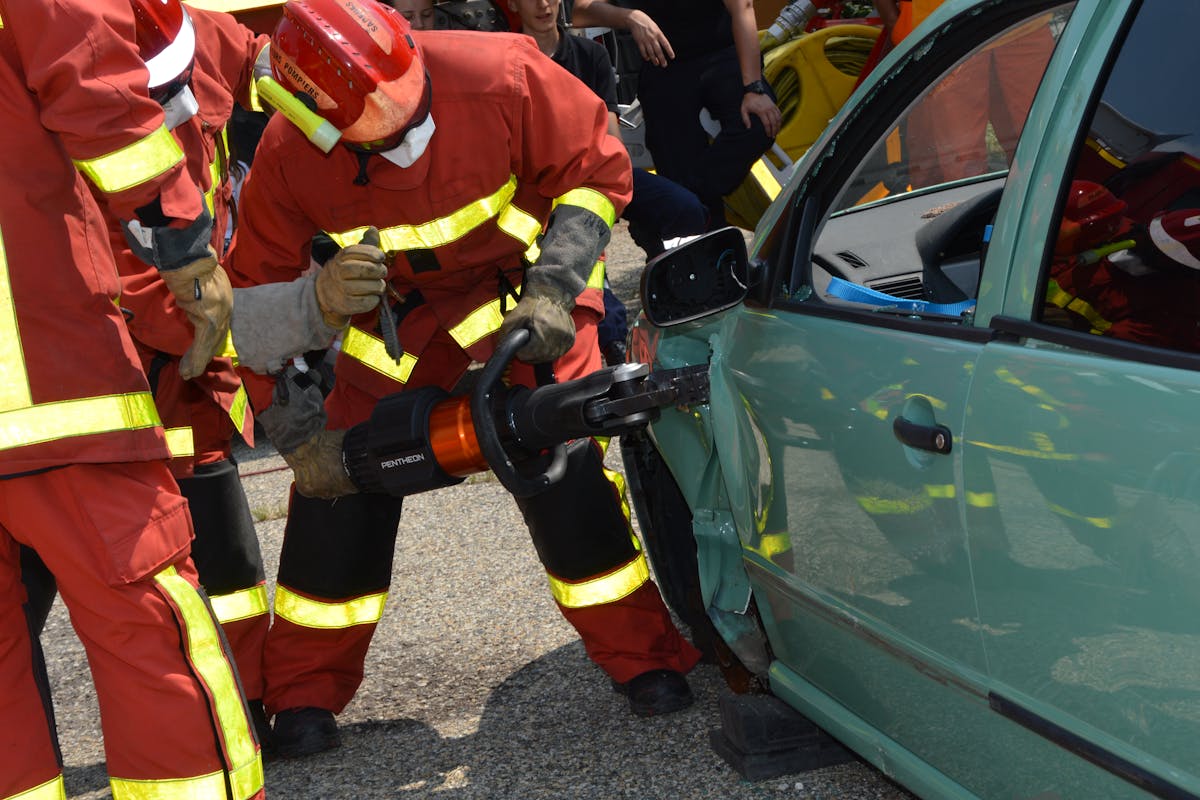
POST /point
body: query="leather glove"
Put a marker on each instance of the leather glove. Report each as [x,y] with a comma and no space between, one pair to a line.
[318,466]
[201,289]
[352,281]
[545,311]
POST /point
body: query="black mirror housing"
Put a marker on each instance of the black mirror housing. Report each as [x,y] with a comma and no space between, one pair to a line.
[702,277]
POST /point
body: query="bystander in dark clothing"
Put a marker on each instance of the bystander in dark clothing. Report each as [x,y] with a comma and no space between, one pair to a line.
[705,73]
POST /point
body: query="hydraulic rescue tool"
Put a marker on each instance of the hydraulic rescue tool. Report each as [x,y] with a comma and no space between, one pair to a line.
[425,438]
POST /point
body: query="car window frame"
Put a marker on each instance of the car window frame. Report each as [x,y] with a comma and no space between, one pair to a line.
[787,285]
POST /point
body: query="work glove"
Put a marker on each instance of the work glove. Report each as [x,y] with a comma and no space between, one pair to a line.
[573,241]
[318,466]
[295,424]
[545,311]
[352,282]
[188,266]
[202,291]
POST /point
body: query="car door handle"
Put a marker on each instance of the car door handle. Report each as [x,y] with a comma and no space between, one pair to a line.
[934,438]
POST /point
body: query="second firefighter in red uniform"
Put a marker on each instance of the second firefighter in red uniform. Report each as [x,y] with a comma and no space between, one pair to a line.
[490,176]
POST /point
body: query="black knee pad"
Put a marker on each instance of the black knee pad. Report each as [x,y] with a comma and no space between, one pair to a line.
[577,524]
[225,550]
[339,548]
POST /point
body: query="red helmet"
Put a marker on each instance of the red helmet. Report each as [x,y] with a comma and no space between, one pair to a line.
[1176,235]
[167,43]
[357,60]
[1092,216]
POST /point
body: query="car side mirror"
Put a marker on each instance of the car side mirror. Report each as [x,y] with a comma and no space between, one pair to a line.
[702,277]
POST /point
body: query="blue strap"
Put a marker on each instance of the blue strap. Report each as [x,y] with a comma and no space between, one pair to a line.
[861,294]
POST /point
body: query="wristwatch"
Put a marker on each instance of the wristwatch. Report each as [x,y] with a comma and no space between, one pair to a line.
[757,87]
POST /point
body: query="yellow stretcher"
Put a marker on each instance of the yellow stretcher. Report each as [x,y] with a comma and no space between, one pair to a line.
[812,75]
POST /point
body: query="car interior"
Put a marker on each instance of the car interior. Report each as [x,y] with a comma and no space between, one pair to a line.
[875,245]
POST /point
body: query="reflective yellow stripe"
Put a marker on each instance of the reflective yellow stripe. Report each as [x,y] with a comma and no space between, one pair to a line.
[207,656]
[1096,522]
[211,785]
[766,180]
[180,442]
[1105,153]
[981,499]
[618,481]
[481,322]
[133,164]
[214,172]
[608,588]
[883,505]
[590,199]
[438,232]
[255,102]
[486,319]
[512,220]
[314,614]
[1026,452]
[772,544]
[1056,295]
[239,408]
[243,780]
[227,349]
[371,351]
[242,604]
[14,381]
[217,170]
[247,780]
[941,491]
[52,789]
[596,279]
[53,421]
[519,224]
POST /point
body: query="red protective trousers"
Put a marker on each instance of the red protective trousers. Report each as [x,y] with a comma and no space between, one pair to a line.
[138,626]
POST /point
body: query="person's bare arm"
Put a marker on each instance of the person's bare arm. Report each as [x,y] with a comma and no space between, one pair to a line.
[651,41]
[614,124]
[888,11]
[745,40]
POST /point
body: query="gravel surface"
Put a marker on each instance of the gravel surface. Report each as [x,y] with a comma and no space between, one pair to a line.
[476,687]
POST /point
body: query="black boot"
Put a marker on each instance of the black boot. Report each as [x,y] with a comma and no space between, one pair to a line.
[657,692]
[303,732]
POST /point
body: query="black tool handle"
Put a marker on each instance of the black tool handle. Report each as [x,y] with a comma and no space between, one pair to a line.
[486,432]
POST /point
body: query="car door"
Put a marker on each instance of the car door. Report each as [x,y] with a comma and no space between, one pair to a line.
[1082,419]
[841,393]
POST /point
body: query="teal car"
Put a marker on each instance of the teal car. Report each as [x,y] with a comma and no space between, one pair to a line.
[944,499]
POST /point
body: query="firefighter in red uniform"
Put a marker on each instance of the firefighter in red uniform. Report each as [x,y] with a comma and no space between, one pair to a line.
[85,483]
[200,64]
[1114,277]
[457,149]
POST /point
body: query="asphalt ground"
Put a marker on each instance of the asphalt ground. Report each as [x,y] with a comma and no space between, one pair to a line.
[476,687]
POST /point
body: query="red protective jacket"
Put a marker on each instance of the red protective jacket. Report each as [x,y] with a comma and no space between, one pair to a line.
[72,388]
[466,211]
[222,75]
